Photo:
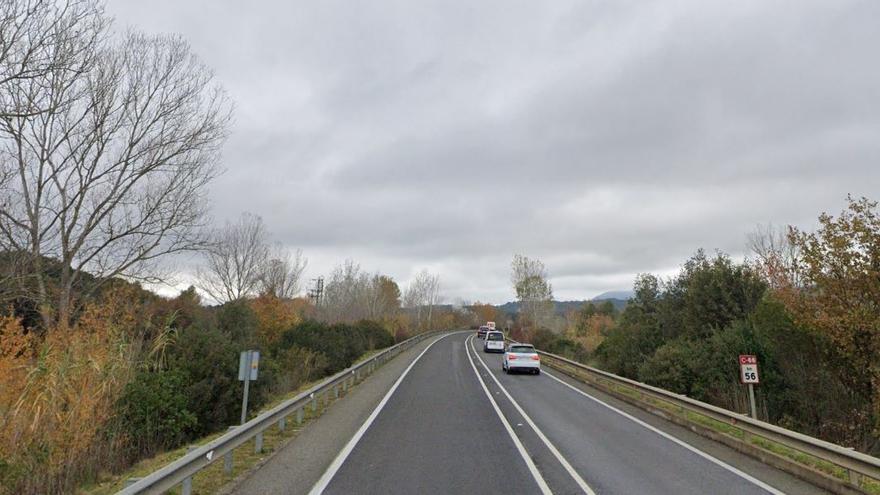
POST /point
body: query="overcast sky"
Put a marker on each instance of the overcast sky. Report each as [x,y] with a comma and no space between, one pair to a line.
[606,138]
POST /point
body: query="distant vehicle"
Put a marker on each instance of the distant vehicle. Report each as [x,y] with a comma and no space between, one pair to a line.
[521,357]
[494,342]
[490,324]
[481,332]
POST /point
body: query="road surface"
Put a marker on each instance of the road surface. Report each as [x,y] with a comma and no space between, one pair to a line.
[455,423]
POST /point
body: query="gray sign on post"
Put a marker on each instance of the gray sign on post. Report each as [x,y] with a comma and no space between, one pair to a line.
[248,360]
[248,364]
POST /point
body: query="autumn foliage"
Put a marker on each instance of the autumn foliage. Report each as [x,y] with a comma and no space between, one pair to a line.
[274,316]
[58,396]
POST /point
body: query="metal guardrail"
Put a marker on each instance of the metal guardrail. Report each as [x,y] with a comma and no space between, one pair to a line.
[856,465]
[180,472]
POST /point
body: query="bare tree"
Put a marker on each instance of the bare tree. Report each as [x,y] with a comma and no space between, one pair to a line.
[533,290]
[351,294]
[384,297]
[236,259]
[775,255]
[422,294]
[106,149]
[344,293]
[282,274]
[40,37]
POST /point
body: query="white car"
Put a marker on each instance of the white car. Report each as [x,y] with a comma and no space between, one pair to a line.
[521,357]
[494,342]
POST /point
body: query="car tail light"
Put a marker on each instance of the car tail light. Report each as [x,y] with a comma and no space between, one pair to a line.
[511,357]
[536,358]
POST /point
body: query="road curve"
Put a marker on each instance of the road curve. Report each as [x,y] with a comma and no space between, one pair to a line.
[457,424]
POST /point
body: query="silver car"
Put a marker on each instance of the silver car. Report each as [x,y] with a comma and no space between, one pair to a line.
[521,357]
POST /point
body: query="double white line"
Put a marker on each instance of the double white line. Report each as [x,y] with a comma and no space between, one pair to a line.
[559,457]
[573,473]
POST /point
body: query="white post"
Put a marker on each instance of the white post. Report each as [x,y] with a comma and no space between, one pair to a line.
[247,381]
[752,401]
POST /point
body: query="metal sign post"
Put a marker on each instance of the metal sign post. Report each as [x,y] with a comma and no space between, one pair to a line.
[748,374]
[248,364]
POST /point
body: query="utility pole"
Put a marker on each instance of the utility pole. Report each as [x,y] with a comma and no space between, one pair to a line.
[316,293]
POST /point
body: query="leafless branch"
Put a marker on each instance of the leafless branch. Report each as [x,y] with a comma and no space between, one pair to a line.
[106,146]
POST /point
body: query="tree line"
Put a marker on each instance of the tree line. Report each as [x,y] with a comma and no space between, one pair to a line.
[807,303]
[108,142]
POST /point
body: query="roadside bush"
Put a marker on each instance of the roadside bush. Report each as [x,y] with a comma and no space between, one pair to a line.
[238,320]
[340,344]
[670,367]
[153,413]
[374,335]
[209,359]
[297,366]
[553,343]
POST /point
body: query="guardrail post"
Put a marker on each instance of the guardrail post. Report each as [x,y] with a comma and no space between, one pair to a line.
[314,403]
[855,478]
[258,443]
[335,391]
[187,485]
[282,423]
[299,416]
[227,459]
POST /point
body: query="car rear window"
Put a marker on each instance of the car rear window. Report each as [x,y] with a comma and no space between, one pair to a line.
[495,336]
[522,349]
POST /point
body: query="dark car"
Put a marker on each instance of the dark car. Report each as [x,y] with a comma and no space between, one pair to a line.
[481,332]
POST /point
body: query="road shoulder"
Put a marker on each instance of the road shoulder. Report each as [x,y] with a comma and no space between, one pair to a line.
[302,461]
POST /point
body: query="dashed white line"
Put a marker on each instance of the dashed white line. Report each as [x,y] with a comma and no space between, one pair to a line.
[519,446]
[559,457]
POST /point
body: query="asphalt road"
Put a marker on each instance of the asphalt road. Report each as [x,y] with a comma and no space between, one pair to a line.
[455,423]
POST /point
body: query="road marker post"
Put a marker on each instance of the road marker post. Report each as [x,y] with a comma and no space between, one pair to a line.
[748,374]
[248,365]
[227,459]
[187,485]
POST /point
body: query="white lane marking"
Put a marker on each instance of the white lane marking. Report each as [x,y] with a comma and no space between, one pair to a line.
[328,475]
[671,438]
[559,457]
[519,446]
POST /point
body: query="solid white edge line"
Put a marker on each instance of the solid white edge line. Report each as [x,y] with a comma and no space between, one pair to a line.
[559,457]
[519,446]
[328,475]
[673,439]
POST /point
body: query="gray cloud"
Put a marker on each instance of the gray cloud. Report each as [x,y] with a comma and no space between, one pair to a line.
[607,138]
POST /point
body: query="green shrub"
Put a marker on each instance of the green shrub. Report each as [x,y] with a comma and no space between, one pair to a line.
[153,413]
[553,343]
[210,359]
[374,335]
[340,344]
[238,320]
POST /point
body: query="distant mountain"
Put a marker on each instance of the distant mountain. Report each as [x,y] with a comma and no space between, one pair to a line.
[624,295]
[618,298]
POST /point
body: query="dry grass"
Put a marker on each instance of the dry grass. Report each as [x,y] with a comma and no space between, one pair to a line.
[59,394]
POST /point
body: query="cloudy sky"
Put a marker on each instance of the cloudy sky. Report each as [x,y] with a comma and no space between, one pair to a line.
[606,138]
